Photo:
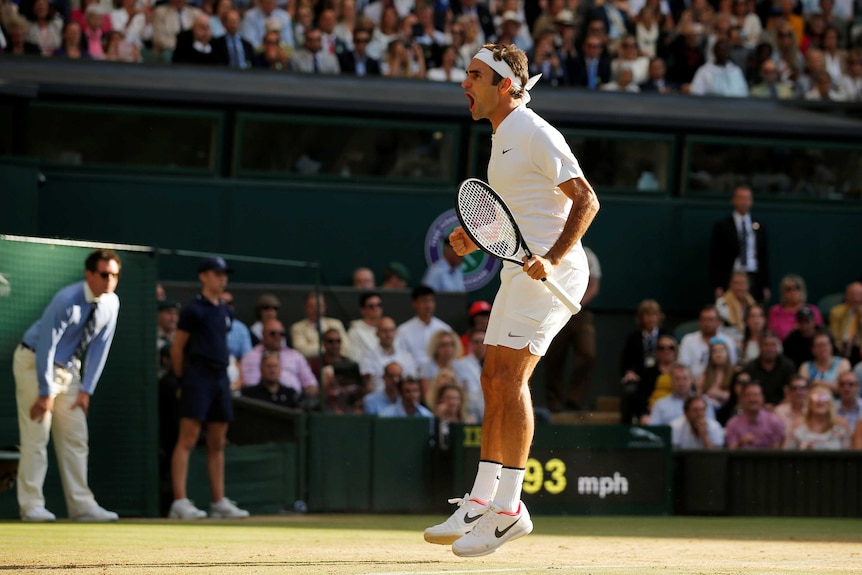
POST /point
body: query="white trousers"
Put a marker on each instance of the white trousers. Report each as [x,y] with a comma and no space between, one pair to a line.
[68,428]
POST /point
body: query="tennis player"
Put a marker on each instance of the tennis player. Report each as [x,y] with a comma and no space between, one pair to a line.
[534,170]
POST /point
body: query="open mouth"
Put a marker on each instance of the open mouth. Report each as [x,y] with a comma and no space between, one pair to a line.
[471,99]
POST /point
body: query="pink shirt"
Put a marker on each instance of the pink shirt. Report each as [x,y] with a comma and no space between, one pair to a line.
[782,321]
[295,372]
[94,44]
[768,431]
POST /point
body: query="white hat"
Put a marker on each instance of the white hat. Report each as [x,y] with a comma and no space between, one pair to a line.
[511,16]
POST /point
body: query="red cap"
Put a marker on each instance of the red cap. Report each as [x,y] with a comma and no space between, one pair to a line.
[479,307]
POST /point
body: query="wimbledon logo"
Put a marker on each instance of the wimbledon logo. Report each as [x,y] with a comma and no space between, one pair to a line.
[479,268]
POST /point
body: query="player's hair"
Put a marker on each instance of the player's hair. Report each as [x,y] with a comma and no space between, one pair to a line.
[517,61]
[91,264]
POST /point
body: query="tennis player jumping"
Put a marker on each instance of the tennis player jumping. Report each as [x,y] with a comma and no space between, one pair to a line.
[534,170]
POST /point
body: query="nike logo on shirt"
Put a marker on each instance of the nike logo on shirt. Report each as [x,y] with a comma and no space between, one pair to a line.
[499,533]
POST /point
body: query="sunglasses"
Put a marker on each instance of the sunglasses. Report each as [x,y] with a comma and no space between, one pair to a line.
[274,333]
[666,347]
[373,305]
[106,275]
[274,307]
[821,397]
[331,340]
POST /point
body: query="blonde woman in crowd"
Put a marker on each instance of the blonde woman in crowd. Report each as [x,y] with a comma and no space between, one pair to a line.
[715,381]
[820,429]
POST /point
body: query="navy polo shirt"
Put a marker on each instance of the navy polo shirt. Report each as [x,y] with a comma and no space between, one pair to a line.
[207,325]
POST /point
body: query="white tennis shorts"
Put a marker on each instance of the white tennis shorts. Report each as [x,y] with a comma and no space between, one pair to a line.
[526,313]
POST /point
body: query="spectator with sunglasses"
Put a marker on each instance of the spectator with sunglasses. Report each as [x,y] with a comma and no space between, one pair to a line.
[362,334]
[295,371]
[265,309]
[849,404]
[821,429]
[792,409]
[305,334]
[56,368]
[339,376]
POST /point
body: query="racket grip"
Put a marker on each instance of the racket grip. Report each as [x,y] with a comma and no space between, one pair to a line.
[558,291]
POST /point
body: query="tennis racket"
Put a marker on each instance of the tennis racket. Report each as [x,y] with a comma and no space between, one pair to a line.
[488,221]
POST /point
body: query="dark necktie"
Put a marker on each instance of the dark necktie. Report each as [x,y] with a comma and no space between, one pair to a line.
[89,331]
[316,65]
[743,243]
[234,53]
[591,75]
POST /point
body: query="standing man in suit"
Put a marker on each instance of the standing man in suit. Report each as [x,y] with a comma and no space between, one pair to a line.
[56,369]
[357,62]
[739,243]
[232,49]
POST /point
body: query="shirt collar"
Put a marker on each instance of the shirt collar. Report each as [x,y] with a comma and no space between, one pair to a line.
[88,294]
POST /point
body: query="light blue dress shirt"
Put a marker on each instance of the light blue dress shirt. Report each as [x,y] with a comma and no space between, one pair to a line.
[56,335]
[442,278]
[238,339]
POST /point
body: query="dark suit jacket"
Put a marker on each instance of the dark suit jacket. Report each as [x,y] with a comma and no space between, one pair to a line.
[185,52]
[724,249]
[577,72]
[633,351]
[223,56]
[601,14]
[347,60]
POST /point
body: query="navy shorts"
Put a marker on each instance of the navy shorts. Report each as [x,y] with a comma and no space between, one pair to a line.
[205,394]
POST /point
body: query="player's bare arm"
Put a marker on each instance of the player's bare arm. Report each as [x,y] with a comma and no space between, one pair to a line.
[461,242]
[585,206]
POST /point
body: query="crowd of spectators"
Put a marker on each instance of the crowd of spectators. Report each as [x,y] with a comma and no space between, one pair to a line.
[803,49]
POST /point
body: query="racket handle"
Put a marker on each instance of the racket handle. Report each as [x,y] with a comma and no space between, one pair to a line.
[558,291]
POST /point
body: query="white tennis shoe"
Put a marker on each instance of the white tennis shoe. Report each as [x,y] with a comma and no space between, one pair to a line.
[495,528]
[185,509]
[460,523]
[227,509]
[38,515]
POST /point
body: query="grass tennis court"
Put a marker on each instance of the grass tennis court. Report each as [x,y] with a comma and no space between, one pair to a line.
[393,544]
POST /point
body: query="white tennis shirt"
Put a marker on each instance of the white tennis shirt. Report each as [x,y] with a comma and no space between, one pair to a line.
[529,160]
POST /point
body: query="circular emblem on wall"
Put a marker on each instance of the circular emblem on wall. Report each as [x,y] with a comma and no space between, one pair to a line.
[479,268]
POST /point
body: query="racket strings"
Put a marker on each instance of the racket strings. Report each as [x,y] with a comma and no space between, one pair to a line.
[487,220]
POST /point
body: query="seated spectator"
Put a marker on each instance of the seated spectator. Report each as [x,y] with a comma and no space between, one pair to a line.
[346,27]
[814,63]
[754,427]
[372,363]
[395,276]
[447,71]
[479,313]
[195,46]
[363,278]
[403,59]
[231,49]
[652,382]
[783,315]
[17,43]
[686,54]
[92,32]
[446,275]
[357,62]
[385,31]
[656,81]
[72,45]
[443,348]
[734,302]
[131,21]
[772,369]
[449,404]
[303,20]
[823,88]
[844,317]
[630,59]
[304,333]
[362,333]
[624,83]
[330,355]
[787,55]
[414,335]
[694,347]
[326,22]
[118,50]
[239,337]
[714,383]
[615,16]
[446,376]
[80,15]
[591,68]
[749,22]
[857,436]
[273,56]
[670,407]
[849,404]
[168,21]
[792,410]
[739,54]
[721,77]
[833,55]
[797,345]
[771,85]
[410,391]
[820,429]
[639,349]
[755,328]
[693,430]
[546,60]
[312,58]
[388,394]
[468,369]
[254,24]
[851,85]
[825,368]
[295,372]
[270,388]
[342,384]
[216,10]
[45,29]
[510,30]
[167,317]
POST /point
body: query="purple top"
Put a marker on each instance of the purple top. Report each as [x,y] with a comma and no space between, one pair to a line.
[768,431]
[782,321]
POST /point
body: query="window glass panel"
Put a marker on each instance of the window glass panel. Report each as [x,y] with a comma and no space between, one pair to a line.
[612,161]
[346,148]
[83,135]
[772,168]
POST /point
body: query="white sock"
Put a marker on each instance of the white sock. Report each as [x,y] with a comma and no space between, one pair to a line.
[487,478]
[508,494]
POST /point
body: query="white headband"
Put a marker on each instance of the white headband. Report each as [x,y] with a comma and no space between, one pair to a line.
[503,69]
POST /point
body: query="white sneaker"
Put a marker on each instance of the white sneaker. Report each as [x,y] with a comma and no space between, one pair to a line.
[97,514]
[460,523]
[185,509]
[495,528]
[38,515]
[226,509]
